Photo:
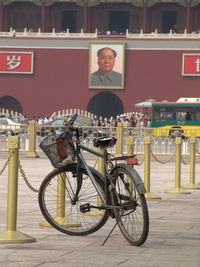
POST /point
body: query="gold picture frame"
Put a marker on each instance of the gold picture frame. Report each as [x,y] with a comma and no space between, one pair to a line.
[106,65]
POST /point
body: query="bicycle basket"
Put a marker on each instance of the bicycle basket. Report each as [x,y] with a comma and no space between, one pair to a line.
[57,150]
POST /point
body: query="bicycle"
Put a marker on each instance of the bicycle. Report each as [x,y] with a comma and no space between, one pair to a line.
[76,199]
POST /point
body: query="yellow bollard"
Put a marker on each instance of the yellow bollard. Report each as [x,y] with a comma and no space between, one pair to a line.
[130,146]
[32,140]
[11,235]
[148,195]
[130,149]
[192,184]
[101,162]
[119,136]
[177,189]
[60,210]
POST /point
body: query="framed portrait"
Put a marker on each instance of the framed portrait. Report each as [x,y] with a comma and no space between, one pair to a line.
[106,65]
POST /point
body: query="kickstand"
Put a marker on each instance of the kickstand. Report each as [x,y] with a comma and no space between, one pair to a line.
[109,233]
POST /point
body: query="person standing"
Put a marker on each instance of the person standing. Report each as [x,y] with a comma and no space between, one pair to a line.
[40,121]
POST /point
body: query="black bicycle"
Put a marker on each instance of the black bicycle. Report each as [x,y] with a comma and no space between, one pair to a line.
[76,199]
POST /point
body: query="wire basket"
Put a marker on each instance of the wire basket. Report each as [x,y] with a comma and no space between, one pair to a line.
[56,150]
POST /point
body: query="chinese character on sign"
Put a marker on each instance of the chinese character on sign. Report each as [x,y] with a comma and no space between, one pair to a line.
[13,62]
[197,62]
[191,65]
[16,62]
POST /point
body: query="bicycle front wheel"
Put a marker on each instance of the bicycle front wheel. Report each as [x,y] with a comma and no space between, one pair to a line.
[132,215]
[61,197]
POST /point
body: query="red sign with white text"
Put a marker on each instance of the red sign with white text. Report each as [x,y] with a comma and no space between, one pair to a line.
[191,65]
[16,62]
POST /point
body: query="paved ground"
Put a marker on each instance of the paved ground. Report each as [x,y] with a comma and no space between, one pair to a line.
[174,237]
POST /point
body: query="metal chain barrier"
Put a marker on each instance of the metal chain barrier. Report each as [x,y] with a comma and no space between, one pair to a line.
[164,162]
[6,163]
[183,161]
[141,162]
[21,171]
[25,179]
[197,151]
[24,175]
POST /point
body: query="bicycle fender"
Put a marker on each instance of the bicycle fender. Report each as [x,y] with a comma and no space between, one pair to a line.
[137,179]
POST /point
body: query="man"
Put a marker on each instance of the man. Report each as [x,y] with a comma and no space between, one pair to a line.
[105,76]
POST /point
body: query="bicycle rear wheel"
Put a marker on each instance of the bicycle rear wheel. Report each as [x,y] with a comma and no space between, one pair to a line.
[62,209]
[132,216]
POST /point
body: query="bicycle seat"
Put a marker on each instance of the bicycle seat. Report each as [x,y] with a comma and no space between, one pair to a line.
[104,142]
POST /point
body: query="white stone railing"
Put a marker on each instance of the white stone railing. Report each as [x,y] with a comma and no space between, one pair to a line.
[81,35]
[52,34]
[83,114]
[66,112]
[156,35]
[16,116]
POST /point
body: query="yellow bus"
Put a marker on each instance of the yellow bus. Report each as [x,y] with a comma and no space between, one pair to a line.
[176,119]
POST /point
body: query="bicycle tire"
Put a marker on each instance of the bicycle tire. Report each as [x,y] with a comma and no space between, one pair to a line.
[132,217]
[63,215]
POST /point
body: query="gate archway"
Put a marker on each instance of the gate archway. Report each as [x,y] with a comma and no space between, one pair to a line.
[11,103]
[105,104]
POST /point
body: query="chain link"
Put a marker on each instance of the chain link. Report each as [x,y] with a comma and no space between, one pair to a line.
[184,162]
[141,162]
[6,163]
[163,162]
[25,179]
[197,151]
[21,171]
[36,190]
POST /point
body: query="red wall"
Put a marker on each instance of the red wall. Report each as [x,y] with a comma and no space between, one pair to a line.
[60,80]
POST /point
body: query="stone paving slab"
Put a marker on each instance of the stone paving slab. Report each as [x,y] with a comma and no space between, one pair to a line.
[174,236]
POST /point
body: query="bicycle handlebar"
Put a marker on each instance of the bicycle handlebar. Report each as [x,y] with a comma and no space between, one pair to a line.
[69,126]
[72,120]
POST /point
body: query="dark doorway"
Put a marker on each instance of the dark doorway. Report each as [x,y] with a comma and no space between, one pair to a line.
[69,21]
[11,103]
[105,104]
[169,19]
[118,21]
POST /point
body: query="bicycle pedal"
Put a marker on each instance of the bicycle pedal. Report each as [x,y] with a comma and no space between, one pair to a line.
[85,208]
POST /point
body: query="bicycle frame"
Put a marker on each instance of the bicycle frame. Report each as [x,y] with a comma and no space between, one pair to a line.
[82,160]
